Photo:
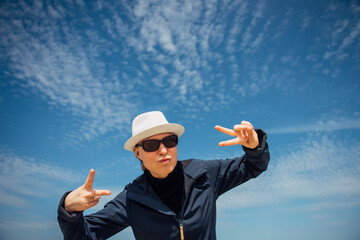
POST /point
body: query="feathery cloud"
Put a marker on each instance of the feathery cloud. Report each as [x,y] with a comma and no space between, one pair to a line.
[154,50]
[317,169]
[319,126]
[22,177]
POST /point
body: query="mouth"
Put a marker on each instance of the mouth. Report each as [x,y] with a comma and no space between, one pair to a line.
[165,160]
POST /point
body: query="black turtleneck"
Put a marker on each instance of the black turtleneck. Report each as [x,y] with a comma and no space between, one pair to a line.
[170,189]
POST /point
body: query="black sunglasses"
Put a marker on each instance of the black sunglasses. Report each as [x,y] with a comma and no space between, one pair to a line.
[152,145]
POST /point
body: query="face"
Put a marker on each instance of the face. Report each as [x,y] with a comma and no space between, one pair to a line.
[160,162]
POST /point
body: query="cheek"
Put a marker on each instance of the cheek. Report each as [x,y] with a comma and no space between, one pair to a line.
[173,151]
[147,158]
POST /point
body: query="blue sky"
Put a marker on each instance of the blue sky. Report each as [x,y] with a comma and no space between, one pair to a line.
[73,74]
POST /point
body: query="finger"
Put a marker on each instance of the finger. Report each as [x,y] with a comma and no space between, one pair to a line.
[92,199]
[225,130]
[240,130]
[250,132]
[239,127]
[244,133]
[246,123]
[101,192]
[90,179]
[97,198]
[91,204]
[229,142]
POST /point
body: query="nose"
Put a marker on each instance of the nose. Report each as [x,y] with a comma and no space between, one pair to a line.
[162,149]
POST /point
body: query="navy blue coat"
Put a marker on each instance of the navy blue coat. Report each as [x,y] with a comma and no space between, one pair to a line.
[139,207]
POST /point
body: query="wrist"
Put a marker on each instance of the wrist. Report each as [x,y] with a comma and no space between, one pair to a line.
[66,204]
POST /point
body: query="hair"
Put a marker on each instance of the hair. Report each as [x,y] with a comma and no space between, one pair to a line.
[141,162]
[142,165]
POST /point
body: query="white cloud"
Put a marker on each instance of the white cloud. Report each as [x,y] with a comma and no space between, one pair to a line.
[65,65]
[305,22]
[342,33]
[354,33]
[312,58]
[256,43]
[319,126]
[28,225]
[321,171]
[9,199]
[22,177]
[318,206]
[65,62]
[340,26]
[257,14]
[101,68]
[62,66]
[237,24]
[141,8]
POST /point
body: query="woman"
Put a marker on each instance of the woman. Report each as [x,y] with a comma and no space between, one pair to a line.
[172,199]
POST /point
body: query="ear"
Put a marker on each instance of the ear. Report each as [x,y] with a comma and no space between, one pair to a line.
[137,153]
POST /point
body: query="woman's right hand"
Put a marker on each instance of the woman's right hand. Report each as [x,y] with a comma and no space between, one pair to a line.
[85,196]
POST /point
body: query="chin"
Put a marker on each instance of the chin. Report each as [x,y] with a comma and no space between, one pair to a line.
[170,168]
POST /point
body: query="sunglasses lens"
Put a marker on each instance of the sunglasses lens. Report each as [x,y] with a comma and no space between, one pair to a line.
[151,145]
[154,144]
[170,141]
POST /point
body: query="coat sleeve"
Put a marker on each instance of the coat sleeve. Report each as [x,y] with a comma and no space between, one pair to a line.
[227,174]
[103,224]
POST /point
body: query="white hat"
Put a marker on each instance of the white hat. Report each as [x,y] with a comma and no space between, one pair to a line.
[148,124]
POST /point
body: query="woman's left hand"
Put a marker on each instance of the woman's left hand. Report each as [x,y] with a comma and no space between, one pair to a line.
[244,133]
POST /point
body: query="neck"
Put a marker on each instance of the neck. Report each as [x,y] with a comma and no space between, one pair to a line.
[170,189]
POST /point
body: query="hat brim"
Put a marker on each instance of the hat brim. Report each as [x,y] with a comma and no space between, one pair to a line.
[165,128]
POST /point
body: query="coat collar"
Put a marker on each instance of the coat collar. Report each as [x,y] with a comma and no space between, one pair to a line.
[141,191]
[194,168]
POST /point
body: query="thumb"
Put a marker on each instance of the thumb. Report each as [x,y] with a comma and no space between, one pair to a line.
[90,179]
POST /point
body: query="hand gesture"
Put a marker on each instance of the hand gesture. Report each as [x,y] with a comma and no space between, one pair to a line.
[85,196]
[244,133]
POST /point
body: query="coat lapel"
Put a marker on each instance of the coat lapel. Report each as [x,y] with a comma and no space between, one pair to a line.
[141,192]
